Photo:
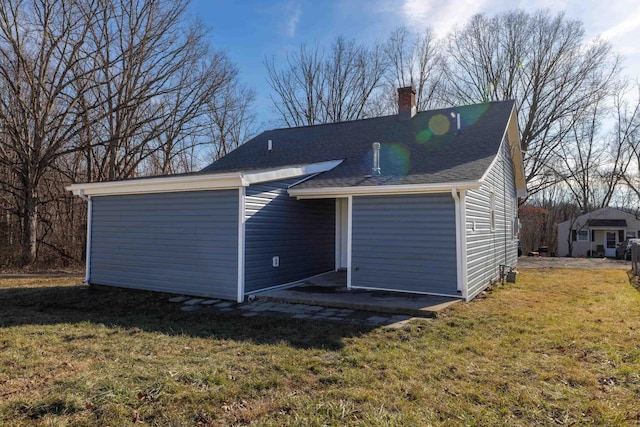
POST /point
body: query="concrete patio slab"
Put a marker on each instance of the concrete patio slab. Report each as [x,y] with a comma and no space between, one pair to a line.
[330,290]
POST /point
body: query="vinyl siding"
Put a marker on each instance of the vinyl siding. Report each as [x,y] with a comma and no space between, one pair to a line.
[404,243]
[300,232]
[486,248]
[183,242]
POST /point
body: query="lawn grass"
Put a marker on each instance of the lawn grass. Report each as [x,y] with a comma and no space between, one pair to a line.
[558,347]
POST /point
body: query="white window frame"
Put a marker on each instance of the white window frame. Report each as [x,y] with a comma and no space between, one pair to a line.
[586,235]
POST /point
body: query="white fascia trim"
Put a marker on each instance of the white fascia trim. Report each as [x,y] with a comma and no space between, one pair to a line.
[331,192]
[512,136]
[198,182]
[159,185]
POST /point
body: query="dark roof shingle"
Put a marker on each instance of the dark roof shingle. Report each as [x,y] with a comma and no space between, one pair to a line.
[607,223]
[425,149]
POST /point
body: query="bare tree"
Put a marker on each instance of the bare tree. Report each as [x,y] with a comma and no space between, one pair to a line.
[541,61]
[41,44]
[592,162]
[230,119]
[627,132]
[312,88]
[93,90]
[155,75]
[414,60]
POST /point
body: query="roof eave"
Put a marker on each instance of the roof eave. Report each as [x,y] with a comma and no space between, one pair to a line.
[381,190]
[512,133]
[197,182]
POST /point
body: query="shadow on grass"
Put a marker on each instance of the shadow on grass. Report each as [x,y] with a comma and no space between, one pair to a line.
[152,312]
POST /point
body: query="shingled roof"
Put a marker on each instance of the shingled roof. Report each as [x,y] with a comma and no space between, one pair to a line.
[425,149]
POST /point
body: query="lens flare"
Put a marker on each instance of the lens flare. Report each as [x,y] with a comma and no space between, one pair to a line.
[423,136]
[472,113]
[395,160]
[439,124]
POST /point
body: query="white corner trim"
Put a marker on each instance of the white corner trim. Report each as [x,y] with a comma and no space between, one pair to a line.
[331,192]
[198,182]
[456,201]
[461,243]
[87,268]
[338,226]
[241,241]
[349,239]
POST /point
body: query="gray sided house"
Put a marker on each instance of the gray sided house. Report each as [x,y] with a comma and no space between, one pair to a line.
[416,202]
[597,233]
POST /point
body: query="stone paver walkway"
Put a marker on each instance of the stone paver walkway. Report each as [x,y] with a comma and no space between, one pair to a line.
[267,308]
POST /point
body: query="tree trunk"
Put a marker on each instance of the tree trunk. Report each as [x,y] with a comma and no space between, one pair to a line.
[29,241]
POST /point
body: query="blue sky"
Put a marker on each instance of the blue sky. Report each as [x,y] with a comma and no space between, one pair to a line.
[250,31]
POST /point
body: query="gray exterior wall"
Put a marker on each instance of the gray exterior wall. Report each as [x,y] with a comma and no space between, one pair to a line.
[184,242]
[404,243]
[300,232]
[487,248]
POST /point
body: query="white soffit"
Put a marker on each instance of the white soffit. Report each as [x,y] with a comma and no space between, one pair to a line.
[198,182]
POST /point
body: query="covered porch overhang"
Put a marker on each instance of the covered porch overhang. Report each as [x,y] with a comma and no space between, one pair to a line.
[605,235]
[344,197]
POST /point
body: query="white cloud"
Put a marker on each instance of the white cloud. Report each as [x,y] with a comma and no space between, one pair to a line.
[615,20]
[628,25]
[292,13]
[440,15]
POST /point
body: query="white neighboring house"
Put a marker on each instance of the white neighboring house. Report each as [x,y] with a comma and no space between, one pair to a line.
[597,233]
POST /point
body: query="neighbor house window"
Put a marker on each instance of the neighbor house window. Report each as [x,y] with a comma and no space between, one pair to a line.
[492,203]
[583,236]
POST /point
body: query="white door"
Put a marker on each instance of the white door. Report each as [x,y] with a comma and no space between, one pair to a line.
[610,243]
[342,220]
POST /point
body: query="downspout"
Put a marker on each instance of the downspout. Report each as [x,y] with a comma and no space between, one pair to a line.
[241,242]
[88,249]
[461,242]
[504,210]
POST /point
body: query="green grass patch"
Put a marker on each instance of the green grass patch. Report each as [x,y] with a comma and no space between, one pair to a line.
[557,347]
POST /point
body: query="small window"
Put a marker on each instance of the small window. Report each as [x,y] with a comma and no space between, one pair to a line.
[583,236]
[492,218]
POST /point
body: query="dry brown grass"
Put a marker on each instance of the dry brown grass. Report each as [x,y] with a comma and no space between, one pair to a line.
[558,347]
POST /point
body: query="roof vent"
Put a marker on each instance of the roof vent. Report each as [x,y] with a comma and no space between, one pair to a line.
[457,117]
[375,170]
[269,145]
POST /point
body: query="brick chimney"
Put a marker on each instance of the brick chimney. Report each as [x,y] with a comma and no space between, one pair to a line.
[406,103]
